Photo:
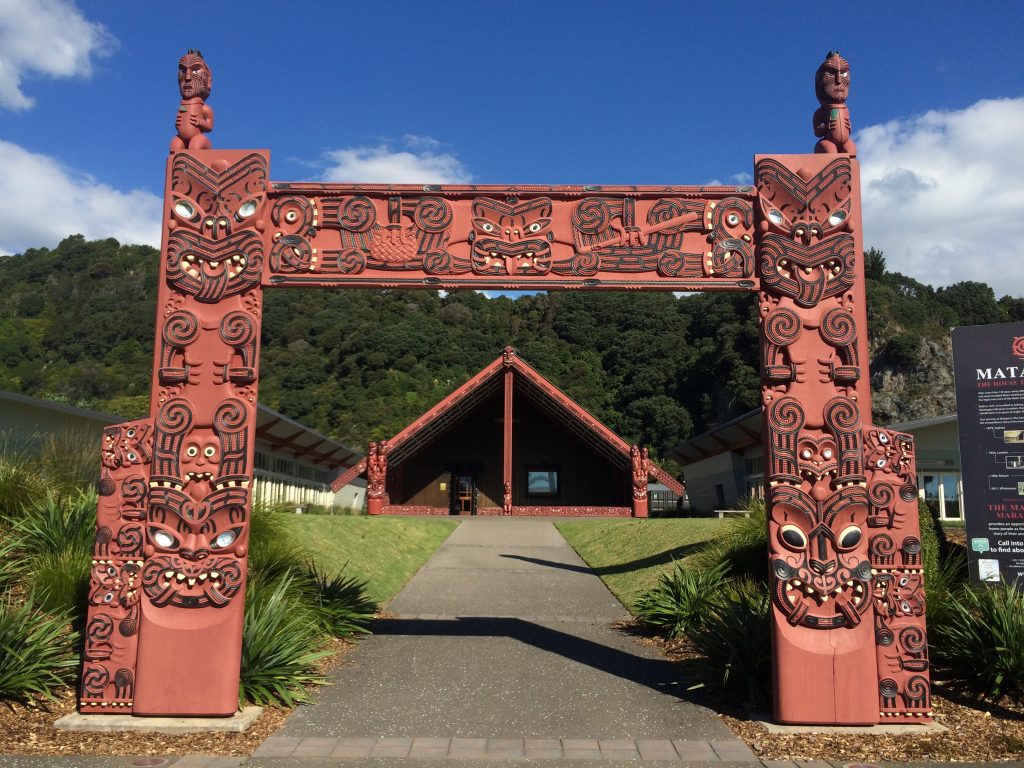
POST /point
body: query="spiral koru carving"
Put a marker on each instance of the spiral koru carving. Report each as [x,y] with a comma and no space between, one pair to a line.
[173,420]
[181,328]
[592,216]
[584,264]
[673,263]
[433,214]
[914,640]
[782,327]
[357,214]
[882,550]
[291,253]
[352,261]
[237,329]
[838,327]
[295,213]
[437,263]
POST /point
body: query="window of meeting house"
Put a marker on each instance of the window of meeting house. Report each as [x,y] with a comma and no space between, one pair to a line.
[941,492]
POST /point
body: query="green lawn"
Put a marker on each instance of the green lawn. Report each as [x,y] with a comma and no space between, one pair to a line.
[629,555]
[385,551]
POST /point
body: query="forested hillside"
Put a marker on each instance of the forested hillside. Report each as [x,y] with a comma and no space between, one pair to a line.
[76,325]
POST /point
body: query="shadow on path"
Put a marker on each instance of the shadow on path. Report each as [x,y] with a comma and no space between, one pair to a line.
[662,675]
[676,553]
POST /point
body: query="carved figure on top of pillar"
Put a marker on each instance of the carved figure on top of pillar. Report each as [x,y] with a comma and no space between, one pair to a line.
[376,469]
[506,499]
[640,467]
[832,118]
[195,118]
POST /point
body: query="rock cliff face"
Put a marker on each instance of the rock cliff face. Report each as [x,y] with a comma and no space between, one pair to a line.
[920,391]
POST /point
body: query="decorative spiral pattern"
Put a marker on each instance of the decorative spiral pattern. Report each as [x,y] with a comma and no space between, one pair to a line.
[884,635]
[592,215]
[888,688]
[672,264]
[100,629]
[732,258]
[433,214]
[106,487]
[838,327]
[437,263]
[912,545]
[237,329]
[295,213]
[181,329]
[880,495]
[94,680]
[914,639]
[175,418]
[133,489]
[917,691]
[128,626]
[842,415]
[782,327]
[786,415]
[230,416]
[352,261]
[663,210]
[908,492]
[882,547]
[130,540]
[357,214]
[291,253]
[585,264]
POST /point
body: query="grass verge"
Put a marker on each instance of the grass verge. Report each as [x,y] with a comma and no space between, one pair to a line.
[631,555]
[383,551]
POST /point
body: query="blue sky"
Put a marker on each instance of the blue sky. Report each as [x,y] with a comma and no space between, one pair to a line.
[543,92]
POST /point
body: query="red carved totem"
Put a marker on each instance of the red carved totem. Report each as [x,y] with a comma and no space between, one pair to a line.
[166,604]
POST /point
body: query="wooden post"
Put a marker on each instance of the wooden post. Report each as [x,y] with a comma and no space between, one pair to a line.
[506,503]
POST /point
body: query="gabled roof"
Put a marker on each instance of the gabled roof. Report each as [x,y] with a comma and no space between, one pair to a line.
[545,395]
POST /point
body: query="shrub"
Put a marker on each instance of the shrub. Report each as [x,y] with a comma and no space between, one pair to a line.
[742,547]
[339,602]
[60,580]
[682,598]
[36,652]
[281,645]
[12,565]
[980,640]
[55,524]
[20,480]
[941,582]
[736,641]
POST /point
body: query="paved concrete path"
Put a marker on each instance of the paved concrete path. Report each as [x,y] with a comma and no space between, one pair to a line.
[502,646]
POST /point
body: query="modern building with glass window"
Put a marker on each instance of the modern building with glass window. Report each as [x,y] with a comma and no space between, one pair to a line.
[726,464]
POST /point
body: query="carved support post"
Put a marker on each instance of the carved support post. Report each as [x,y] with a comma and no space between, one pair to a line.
[112,623]
[203,406]
[640,469]
[376,477]
[506,503]
[834,483]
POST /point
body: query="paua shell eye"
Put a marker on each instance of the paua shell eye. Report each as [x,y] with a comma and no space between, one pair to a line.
[827,454]
[792,537]
[805,454]
[850,537]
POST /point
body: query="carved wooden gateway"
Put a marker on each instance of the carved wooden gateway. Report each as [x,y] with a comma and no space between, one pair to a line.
[166,604]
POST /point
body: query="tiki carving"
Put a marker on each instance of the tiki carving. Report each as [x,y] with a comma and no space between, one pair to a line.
[376,476]
[844,548]
[832,118]
[194,119]
[168,583]
[112,619]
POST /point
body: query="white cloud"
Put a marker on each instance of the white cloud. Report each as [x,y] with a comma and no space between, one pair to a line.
[943,194]
[45,202]
[419,161]
[45,37]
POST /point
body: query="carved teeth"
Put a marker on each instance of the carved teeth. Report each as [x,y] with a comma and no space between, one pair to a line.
[168,575]
[191,582]
[180,576]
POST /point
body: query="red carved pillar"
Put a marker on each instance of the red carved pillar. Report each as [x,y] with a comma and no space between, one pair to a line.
[203,407]
[840,493]
[506,502]
[640,466]
[376,477]
[112,623]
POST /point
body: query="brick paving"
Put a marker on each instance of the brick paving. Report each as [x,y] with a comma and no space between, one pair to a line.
[703,751]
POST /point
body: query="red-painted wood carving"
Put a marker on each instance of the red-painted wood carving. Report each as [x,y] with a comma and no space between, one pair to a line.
[165,613]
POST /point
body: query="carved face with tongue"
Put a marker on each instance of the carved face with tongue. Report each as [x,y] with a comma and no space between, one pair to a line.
[821,572]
